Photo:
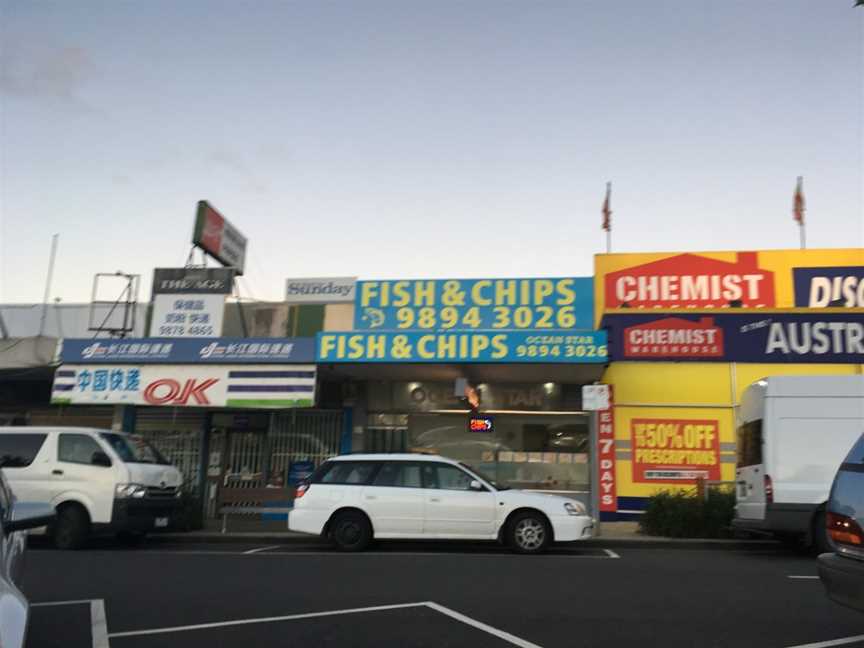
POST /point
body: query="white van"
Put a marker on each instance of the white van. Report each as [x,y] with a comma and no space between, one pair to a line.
[793,434]
[96,480]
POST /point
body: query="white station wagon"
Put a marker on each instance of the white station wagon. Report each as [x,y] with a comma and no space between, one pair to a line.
[353,499]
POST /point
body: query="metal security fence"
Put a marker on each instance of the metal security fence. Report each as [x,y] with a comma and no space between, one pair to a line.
[304,436]
[178,436]
[247,460]
[255,460]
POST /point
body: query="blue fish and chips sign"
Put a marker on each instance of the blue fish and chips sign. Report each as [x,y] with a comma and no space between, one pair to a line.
[464,346]
[547,320]
[475,304]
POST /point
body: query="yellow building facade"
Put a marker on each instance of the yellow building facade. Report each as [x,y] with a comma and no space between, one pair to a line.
[688,333]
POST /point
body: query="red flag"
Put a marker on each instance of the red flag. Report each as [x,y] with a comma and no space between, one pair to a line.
[607,212]
[798,205]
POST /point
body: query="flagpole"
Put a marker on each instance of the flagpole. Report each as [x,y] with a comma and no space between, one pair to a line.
[798,210]
[607,217]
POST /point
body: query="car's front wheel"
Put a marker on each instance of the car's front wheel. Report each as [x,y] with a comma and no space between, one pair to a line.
[351,531]
[529,533]
[71,527]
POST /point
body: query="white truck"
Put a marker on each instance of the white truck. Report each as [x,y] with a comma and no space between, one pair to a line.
[96,480]
[793,433]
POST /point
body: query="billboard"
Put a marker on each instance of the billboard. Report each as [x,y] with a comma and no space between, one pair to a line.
[187,316]
[713,280]
[790,336]
[841,286]
[464,346]
[219,238]
[251,386]
[193,281]
[194,351]
[475,304]
[674,450]
[320,290]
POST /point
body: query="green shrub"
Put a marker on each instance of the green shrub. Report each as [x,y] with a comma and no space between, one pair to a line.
[685,515]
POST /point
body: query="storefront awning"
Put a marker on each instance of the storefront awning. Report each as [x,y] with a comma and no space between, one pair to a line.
[489,373]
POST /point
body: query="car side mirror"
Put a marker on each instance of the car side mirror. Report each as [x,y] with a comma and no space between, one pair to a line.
[476,485]
[29,515]
[100,459]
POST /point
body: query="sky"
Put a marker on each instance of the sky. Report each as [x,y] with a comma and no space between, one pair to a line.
[408,139]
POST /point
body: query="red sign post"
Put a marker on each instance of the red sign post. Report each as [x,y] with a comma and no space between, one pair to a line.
[606,458]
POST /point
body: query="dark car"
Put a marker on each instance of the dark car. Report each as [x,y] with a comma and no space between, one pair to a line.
[15,519]
[842,571]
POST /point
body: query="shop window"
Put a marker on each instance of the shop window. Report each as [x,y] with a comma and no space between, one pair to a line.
[305,320]
[533,451]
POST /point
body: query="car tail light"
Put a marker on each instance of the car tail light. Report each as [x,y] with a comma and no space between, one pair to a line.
[302,489]
[844,530]
[769,489]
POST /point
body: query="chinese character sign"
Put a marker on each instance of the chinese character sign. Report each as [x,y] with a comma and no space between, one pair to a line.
[192,315]
[252,386]
[188,351]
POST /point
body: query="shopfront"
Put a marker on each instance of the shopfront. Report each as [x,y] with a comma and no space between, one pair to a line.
[688,333]
[485,371]
[230,413]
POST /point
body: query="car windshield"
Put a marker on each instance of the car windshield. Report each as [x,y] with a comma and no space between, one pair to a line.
[132,448]
[497,484]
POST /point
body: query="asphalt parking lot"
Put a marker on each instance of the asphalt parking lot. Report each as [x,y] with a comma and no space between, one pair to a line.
[423,595]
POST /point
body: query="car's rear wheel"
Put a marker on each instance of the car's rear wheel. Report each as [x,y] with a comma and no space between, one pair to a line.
[71,527]
[819,533]
[351,531]
[529,533]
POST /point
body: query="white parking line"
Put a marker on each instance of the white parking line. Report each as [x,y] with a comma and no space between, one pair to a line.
[495,632]
[99,624]
[50,603]
[453,614]
[237,622]
[98,620]
[803,577]
[259,549]
[263,551]
[832,642]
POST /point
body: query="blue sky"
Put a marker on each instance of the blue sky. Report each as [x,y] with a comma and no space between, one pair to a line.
[420,139]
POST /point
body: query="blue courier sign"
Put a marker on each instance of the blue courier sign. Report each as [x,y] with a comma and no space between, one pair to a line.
[475,304]
[189,351]
[764,337]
